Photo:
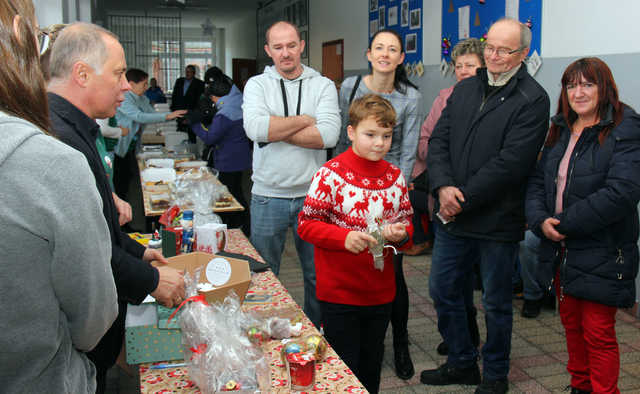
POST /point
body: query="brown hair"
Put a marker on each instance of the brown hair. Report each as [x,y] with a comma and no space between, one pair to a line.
[52,31]
[22,89]
[595,71]
[372,105]
[470,46]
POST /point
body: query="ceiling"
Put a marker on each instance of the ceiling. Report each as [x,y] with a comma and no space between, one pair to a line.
[221,11]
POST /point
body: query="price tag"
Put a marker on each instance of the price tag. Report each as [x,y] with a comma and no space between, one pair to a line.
[218,271]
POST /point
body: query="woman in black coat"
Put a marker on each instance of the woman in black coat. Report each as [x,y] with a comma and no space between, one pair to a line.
[581,202]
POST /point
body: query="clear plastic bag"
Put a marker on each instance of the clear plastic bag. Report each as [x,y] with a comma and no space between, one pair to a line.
[198,188]
[217,351]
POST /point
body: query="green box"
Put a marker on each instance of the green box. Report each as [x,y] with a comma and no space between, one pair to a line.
[149,343]
[145,342]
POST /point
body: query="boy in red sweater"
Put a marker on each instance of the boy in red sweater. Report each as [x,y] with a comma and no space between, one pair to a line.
[345,194]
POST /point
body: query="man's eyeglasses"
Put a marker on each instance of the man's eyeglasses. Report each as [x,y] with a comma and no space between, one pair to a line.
[43,40]
[501,52]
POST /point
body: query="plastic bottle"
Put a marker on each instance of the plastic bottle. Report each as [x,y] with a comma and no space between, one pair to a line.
[187,231]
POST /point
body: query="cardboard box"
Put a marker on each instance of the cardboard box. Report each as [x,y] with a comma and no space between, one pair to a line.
[232,275]
[147,340]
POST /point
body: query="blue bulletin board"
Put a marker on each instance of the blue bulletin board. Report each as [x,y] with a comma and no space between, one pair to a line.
[482,13]
[403,16]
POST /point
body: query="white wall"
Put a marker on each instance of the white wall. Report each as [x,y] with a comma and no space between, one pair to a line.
[50,12]
[240,41]
[339,19]
[431,31]
[577,28]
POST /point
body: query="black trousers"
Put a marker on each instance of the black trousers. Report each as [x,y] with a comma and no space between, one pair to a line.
[357,334]
[420,203]
[400,306]
[124,169]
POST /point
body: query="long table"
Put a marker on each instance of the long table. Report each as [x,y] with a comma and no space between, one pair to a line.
[332,374]
[150,210]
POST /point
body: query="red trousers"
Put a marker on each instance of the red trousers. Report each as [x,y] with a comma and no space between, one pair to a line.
[594,359]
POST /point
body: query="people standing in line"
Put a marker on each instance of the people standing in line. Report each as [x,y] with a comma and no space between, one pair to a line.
[345,195]
[185,95]
[53,231]
[155,93]
[87,68]
[582,203]
[481,152]
[133,114]
[219,125]
[291,114]
[388,78]
[467,57]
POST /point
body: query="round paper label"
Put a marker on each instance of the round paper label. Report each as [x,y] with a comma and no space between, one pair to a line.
[218,271]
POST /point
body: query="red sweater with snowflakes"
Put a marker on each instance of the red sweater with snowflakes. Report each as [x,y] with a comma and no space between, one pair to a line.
[343,193]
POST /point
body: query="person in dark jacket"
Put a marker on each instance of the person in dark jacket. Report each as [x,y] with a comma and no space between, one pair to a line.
[219,124]
[582,203]
[185,95]
[480,154]
[87,69]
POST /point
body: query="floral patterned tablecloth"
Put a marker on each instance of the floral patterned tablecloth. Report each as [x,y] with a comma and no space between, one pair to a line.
[332,375]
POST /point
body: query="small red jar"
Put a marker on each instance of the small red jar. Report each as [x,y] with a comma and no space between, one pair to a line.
[302,371]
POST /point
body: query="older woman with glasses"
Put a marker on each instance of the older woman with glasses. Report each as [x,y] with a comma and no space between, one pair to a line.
[581,202]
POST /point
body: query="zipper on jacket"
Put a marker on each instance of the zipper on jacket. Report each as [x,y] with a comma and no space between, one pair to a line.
[563,273]
[553,279]
[620,260]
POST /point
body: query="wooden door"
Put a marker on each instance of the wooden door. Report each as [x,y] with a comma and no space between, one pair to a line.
[333,61]
[243,69]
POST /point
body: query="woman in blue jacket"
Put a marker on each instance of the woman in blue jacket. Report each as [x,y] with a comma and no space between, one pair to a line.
[581,202]
[134,113]
[219,124]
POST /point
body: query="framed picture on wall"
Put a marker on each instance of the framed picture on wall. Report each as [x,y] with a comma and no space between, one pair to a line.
[415,19]
[303,36]
[411,42]
[404,13]
[373,27]
[382,15]
[373,5]
[392,20]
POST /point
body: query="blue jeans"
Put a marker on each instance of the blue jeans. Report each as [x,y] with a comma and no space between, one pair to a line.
[271,218]
[528,263]
[450,274]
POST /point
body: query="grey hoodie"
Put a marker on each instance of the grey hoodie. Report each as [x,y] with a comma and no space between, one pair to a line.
[281,169]
[57,294]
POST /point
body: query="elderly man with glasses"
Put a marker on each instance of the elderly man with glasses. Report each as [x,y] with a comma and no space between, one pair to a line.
[480,154]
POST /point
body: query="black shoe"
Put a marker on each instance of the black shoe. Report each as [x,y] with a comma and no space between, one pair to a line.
[531,308]
[500,386]
[404,365]
[446,374]
[443,348]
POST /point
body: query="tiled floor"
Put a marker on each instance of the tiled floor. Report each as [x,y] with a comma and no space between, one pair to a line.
[538,354]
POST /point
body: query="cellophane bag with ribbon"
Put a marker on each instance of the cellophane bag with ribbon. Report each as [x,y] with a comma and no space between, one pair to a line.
[197,188]
[218,353]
